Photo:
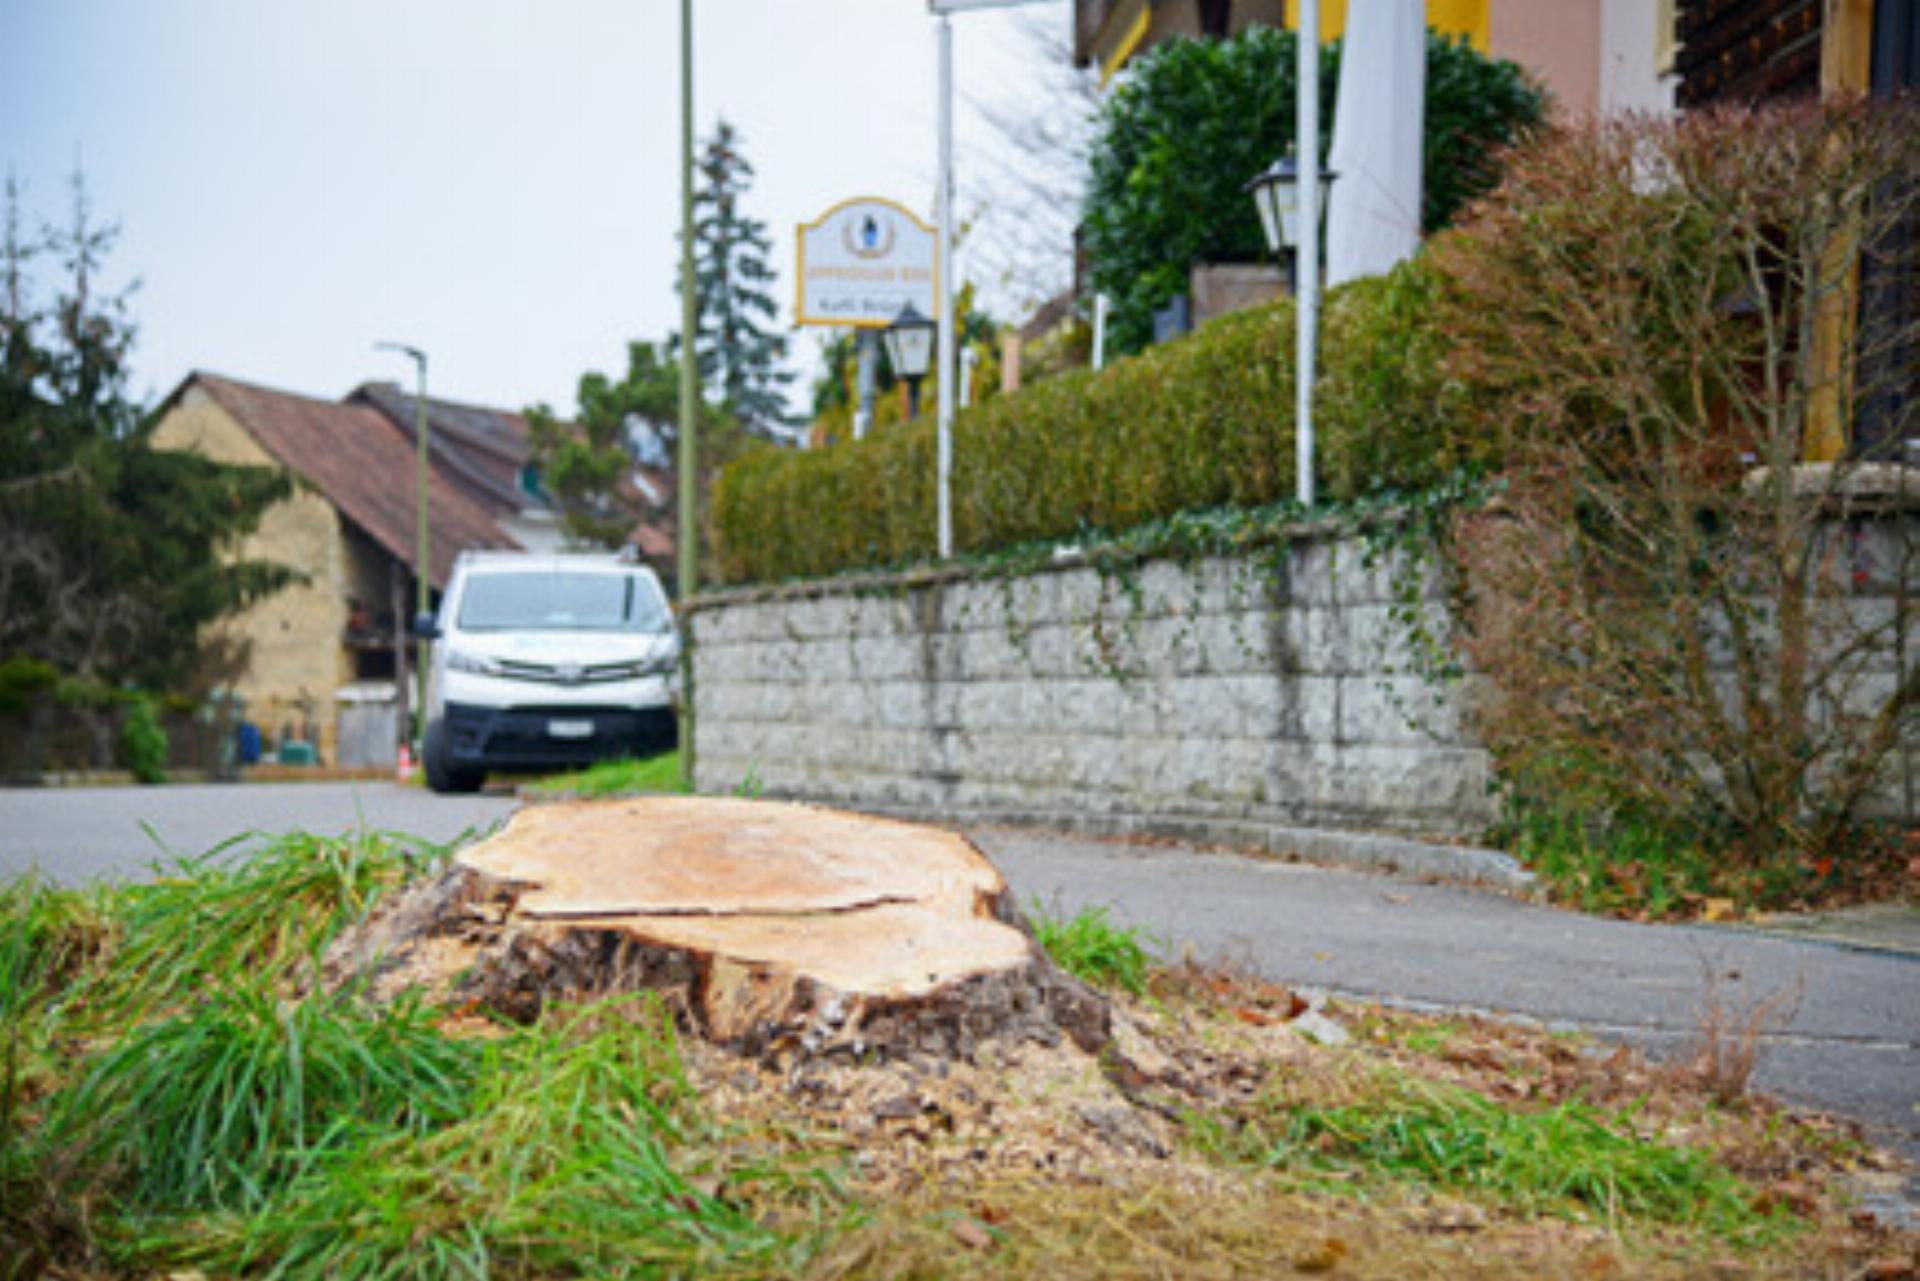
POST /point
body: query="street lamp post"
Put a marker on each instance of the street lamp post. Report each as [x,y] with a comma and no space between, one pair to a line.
[1284,202]
[422,566]
[1276,197]
[909,343]
[1307,196]
[949,377]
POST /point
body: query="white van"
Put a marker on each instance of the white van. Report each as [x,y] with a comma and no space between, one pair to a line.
[544,661]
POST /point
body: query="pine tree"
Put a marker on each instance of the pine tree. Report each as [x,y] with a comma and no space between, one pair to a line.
[110,550]
[738,348]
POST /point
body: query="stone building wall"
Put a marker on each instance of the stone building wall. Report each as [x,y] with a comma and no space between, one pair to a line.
[296,661]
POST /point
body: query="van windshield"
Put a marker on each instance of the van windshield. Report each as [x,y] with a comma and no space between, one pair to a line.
[562,601]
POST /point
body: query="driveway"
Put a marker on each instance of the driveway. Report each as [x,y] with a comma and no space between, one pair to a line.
[1851,1045]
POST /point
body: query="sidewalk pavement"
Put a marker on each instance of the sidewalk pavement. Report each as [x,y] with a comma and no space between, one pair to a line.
[1888,927]
[1851,1042]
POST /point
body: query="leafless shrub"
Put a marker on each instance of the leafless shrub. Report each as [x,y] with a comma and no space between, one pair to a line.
[1696,343]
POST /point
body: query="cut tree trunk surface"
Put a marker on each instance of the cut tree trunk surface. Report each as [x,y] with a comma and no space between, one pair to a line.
[772,926]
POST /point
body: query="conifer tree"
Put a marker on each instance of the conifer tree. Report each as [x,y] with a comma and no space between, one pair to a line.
[112,552]
[737,345]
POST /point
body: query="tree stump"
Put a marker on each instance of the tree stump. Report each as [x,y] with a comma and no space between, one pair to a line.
[771,927]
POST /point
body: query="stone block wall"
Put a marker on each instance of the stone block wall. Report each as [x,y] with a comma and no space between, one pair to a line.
[1228,696]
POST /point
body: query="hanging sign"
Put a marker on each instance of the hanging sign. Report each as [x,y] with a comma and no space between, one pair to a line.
[861,262]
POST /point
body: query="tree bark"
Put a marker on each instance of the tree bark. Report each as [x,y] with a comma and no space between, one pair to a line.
[771,928]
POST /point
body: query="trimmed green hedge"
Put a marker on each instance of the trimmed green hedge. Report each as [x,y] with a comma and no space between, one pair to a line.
[1385,415]
[1206,421]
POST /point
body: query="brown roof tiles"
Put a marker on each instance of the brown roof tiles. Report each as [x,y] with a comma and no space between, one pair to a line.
[364,464]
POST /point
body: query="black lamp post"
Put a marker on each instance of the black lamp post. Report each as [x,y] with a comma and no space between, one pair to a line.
[1275,192]
[909,343]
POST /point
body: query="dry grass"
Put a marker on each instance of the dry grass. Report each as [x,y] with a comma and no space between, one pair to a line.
[1033,1163]
[1730,1031]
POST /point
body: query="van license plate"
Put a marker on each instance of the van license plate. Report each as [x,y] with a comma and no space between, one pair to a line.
[570,729]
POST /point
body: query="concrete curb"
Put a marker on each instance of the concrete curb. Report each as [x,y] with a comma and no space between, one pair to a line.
[1364,851]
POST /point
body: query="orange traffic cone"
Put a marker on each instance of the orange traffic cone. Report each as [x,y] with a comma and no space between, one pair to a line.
[404,771]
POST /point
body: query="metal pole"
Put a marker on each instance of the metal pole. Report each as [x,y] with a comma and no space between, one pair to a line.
[422,546]
[866,383]
[689,523]
[422,567]
[945,274]
[397,602]
[1307,192]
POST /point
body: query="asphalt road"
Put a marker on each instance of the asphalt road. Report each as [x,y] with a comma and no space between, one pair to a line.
[74,835]
[1851,1045]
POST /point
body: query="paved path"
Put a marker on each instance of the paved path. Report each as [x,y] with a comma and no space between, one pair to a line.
[77,834]
[1852,1045]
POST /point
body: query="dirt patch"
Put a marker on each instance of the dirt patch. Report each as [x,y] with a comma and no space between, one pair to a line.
[1030,1160]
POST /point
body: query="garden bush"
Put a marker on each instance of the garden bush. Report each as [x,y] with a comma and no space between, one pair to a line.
[1687,624]
[22,679]
[1193,120]
[1195,423]
[1385,413]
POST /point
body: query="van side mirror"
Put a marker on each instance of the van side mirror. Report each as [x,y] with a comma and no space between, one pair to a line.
[426,627]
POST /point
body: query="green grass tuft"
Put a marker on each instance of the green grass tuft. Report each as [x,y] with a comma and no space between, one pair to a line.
[1090,946]
[616,778]
[1570,1160]
[565,1161]
[265,912]
[50,940]
[224,1101]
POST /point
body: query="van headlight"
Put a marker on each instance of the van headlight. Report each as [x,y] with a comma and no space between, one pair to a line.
[461,660]
[637,669]
[658,664]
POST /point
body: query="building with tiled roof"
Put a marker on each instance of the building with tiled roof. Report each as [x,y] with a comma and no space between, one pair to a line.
[336,639]
[483,450]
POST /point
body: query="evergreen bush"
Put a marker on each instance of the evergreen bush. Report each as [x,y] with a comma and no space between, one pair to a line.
[143,743]
[1205,421]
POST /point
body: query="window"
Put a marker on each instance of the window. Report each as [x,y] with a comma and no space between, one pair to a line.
[561,600]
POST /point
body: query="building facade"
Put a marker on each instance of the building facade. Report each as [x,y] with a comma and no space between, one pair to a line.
[1595,56]
[334,643]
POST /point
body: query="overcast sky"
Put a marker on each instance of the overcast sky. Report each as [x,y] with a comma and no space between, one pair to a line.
[495,181]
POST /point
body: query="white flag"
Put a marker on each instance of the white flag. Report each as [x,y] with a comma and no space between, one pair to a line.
[1373,212]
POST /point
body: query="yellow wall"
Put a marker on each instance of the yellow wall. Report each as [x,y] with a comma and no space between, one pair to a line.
[1469,18]
[297,661]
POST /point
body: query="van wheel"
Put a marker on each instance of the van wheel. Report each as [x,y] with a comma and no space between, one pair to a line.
[442,776]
